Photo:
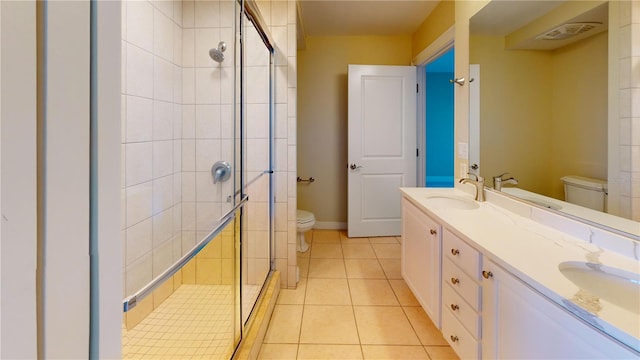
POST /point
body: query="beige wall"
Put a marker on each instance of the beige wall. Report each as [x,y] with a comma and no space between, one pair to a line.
[322,120]
[440,19]
[515,111]
[579,108]
[543,113]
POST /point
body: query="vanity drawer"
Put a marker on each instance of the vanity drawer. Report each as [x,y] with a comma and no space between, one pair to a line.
[465,345]
[462,311]
[462,254]
[462,283]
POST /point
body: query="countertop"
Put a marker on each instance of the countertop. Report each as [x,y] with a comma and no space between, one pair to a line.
[532,251]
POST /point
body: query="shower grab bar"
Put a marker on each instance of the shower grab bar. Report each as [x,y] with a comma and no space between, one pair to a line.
[131,301]
[309,180]
[249,183]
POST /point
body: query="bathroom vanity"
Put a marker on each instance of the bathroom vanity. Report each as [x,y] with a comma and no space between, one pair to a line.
[505,280]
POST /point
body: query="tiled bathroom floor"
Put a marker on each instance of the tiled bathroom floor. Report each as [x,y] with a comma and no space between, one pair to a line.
[351,303]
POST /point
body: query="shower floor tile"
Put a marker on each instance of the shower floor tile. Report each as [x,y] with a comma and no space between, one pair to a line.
[195,322]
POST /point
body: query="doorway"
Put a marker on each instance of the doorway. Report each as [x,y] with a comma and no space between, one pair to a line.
[439,121]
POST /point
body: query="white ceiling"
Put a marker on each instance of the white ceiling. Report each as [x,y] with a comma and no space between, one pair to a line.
[363,17]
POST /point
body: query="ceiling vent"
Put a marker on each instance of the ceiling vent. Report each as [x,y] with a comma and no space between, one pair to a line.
[565,31]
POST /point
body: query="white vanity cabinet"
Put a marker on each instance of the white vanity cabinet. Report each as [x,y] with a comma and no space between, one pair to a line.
[461,296]
[421,258]
[519,323]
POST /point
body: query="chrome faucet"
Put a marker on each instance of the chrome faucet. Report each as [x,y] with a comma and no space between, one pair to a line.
[499,180]
[479,184]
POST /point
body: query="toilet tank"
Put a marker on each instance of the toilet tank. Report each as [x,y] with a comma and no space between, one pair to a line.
[587,192]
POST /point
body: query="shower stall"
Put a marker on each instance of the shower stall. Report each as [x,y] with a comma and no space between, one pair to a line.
[198,172]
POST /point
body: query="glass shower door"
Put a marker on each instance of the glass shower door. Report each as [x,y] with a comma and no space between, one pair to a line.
[182,217]
[256,109]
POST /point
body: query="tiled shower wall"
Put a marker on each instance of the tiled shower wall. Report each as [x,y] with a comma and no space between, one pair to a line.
[177,104]
[151,139]
[281,18]
[207,118]
[629,55]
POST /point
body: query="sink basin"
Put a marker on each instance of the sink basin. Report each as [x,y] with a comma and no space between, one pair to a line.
[616,286]
[451,202]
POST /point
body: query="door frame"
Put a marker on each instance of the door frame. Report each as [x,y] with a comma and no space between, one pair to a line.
[441,45]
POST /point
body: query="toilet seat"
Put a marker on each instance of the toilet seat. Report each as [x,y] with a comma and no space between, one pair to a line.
[304,217]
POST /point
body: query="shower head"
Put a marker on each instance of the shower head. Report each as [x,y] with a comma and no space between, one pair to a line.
[217,54]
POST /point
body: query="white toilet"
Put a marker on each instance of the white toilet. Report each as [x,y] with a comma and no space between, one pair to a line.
[305,222]
[587,192]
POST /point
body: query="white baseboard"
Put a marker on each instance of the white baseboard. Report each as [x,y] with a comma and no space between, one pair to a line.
[330,225]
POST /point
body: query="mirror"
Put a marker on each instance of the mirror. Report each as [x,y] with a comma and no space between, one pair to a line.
[544,102]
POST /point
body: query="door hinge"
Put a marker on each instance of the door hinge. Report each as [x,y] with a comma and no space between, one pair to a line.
[417,152]
[417,88]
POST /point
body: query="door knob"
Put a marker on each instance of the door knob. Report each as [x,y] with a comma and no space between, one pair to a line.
[354,166]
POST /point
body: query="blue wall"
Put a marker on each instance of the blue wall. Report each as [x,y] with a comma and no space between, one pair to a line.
[439,122]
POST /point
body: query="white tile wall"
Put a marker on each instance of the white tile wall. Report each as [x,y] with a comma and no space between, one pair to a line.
[207,122]
[138,165]
[207,82]
[162,194]
[152,141]
[139,119]
[139,24]
[629,94]
[162,120]
[138,203]
[139,69]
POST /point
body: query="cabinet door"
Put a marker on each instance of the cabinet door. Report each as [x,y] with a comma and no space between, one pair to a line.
[421,258]
[519,323]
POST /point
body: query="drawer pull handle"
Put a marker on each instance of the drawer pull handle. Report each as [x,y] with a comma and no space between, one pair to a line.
[454,338]
[487,274]
[433,231]
[454,307]
[455,281]
[455,251]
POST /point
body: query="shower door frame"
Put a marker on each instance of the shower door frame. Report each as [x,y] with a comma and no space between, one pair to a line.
[250,12]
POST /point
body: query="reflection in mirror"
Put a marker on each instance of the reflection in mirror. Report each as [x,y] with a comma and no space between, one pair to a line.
[543,103]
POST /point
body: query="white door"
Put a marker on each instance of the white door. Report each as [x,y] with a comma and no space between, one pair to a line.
[382,147]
